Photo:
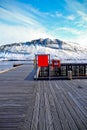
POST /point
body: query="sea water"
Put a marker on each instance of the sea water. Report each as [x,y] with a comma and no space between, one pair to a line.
[4,65]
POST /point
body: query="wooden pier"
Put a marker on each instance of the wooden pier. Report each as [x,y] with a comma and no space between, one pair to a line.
[27,104]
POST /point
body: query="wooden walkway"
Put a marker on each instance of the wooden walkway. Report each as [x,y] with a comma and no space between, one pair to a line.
[27,104]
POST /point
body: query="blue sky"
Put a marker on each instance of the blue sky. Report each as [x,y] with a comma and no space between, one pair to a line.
[24,20]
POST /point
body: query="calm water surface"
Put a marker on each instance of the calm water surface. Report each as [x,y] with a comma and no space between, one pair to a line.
[9,64]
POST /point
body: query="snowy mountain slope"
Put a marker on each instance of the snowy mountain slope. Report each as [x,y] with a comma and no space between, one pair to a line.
[56,48]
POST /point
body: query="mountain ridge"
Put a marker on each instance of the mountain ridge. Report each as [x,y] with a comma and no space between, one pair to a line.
[56,48]
[43,42]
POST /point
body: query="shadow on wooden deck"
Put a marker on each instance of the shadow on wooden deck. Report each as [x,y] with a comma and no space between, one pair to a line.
[30,77]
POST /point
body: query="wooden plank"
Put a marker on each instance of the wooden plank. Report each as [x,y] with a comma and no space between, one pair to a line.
[34,124]
[42,122]
[17,97]
[80,87]
[49,123]
[76,114]
[8,128]
[68,116]
[78,104]
[61,115]
[76,100]
[41,105]
[55,117]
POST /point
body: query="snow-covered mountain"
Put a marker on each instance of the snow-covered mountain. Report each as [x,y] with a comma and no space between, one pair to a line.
[56,48]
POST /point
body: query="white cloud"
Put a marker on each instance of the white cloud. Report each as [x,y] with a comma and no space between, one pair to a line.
[11,34]
[79,23]
[58,14]
[71,30]
[18,16]
[70,17]
[24,9]
[80,36]
[20,25]
[82,39]
[74,5]
[27,23]
[83,15]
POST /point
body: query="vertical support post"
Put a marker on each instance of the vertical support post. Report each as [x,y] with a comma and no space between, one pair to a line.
[49,66]
[36,66]
[84,70]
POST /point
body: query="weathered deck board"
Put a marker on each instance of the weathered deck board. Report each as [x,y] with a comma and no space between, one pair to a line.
[27,104]
[34,123]
[42,121]
[68,116]
[54,112]
[77,115]
[49,123]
